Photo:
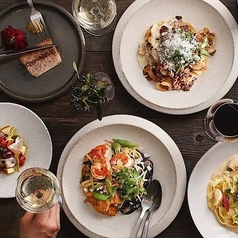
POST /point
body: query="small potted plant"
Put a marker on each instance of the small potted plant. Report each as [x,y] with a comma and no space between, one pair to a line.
[91,91]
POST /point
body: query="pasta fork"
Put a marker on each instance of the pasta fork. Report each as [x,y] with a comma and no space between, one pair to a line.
[146,203]
[155,206]
[38,22]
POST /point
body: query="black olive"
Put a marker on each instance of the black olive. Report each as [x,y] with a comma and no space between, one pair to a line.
[7,154]
[1,150]
[178,17]
[87,162]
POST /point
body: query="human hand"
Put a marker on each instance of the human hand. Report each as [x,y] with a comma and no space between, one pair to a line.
[41,225]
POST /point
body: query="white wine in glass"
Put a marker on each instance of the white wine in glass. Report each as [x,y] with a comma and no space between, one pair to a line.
[37,190]
[97,17]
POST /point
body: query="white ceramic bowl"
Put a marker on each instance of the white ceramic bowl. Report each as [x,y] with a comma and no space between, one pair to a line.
[212,85]
[169,169]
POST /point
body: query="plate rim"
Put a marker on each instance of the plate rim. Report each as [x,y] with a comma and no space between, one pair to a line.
[47,166]
[72,79]
[117,37]
[180,190]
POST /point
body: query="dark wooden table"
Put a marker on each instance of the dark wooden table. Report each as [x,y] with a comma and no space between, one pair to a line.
[63,122]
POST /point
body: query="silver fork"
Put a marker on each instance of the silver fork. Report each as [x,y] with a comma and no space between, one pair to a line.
[38,22]
[146,203]
[156,203]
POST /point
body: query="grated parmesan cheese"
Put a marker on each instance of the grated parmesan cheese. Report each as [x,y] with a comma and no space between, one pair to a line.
[175,48]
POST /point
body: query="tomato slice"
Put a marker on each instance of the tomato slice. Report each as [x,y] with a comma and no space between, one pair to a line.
[225,202]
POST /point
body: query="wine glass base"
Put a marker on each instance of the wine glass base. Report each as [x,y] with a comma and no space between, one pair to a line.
[102,31]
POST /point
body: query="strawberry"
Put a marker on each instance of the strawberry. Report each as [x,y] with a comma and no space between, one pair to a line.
[13,39]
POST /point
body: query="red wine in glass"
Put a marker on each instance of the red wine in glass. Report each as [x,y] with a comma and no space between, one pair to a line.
[221,121]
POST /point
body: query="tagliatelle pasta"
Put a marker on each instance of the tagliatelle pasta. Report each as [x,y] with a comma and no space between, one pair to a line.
[222,193]
[174,53]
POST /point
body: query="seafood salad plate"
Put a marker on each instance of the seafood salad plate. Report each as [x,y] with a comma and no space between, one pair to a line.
[209,36]
[37,143]
[124,131]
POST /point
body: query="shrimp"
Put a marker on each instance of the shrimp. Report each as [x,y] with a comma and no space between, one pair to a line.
[100,157]
[99,170]
[120,160]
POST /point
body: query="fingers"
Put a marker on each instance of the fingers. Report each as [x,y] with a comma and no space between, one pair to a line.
[46,224]
[51,214]
[28,218]
[42,216]
[55,212]
[49,220]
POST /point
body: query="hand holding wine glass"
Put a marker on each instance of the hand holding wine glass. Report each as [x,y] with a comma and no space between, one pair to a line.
[41,225]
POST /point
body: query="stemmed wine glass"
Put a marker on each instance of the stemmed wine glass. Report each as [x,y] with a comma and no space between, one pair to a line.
[221,121]
[97,17]
[37,190]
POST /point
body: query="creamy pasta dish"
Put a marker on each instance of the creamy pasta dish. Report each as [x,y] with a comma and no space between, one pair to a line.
[222,193]
[173,53]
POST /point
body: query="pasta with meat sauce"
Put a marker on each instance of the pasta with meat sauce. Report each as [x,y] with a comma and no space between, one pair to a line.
[173,54]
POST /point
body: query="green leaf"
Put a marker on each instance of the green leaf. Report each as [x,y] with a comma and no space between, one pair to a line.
[85,87]
[75,68]
[204,52]
[90,78]
[204,43]
[101,85]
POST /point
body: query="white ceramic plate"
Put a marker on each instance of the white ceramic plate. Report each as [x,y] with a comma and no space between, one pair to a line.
[169,169]
[203,218]
[36,137]
[222,67]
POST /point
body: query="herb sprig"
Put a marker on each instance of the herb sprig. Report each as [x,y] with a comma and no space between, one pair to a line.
[89,92]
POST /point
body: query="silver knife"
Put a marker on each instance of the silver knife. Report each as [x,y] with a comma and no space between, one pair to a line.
[19,52]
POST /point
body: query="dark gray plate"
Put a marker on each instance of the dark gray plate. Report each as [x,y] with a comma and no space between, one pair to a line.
[15,79]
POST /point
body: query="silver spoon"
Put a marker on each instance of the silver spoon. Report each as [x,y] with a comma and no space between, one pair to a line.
[153,208]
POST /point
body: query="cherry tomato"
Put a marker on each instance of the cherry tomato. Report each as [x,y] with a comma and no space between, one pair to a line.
[3,142]
[21,159]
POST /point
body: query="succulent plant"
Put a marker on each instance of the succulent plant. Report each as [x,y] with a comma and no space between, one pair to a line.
[91,92]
